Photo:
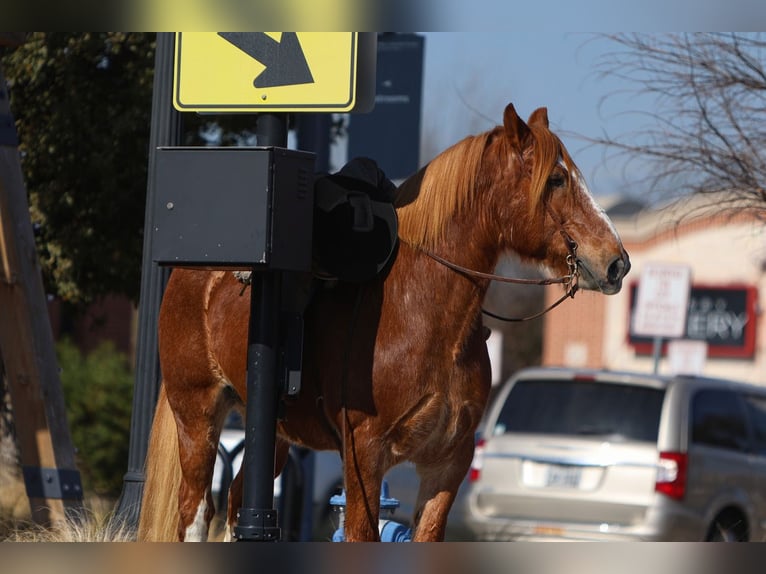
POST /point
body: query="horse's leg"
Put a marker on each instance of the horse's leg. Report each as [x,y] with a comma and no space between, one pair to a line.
[199,429]
[235,491]
[438,487]
[362,476]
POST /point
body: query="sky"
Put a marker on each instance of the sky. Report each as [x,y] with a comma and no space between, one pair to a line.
[469,77]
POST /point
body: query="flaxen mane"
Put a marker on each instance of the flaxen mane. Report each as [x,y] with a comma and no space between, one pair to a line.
[448,183]
[447,187]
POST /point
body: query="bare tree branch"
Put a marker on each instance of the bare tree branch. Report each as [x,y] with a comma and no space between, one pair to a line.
[707,131]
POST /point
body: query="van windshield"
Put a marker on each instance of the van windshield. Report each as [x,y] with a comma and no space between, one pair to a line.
[583,408]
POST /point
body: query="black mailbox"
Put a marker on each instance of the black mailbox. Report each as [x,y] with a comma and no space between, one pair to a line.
[233,207]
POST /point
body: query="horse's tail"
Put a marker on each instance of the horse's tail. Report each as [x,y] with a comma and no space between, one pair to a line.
[159,507]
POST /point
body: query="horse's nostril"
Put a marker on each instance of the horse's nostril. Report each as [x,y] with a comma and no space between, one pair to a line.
[617,270]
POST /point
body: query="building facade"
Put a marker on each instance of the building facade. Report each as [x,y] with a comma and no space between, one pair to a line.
[726,252]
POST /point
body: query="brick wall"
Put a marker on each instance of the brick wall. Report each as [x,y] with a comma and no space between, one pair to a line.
[574,332]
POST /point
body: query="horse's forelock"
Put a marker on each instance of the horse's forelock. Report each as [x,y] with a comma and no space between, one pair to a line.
[447,186]
[548,150]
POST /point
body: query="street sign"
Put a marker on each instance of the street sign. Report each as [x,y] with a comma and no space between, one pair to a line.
[662,300]
[396,117]
[274,71]
[687,357]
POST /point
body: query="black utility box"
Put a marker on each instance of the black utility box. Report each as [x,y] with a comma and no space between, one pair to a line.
[233,207]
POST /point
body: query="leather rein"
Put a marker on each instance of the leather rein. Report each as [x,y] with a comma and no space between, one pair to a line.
[570,280]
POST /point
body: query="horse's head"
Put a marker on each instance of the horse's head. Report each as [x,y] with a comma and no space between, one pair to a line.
[561,221]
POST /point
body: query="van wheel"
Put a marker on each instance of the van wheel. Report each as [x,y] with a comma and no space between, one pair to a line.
[728,526]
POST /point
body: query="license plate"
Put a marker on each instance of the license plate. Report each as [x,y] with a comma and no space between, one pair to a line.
[561,476]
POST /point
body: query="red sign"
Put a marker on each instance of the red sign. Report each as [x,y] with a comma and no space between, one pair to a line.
[724,317]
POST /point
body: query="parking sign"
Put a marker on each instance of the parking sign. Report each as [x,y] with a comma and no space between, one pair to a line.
[662,300]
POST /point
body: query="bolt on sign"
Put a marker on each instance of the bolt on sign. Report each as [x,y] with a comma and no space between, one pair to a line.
[662,301]
[274,71]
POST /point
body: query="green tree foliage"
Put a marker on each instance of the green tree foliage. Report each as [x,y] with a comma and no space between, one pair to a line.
[82,104]
[98,391]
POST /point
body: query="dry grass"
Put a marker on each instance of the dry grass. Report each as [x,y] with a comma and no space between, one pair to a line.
[14,505]
[85,528]
[13,496]
[95,523]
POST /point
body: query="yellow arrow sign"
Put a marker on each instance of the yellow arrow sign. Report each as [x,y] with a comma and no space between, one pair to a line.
[272,71]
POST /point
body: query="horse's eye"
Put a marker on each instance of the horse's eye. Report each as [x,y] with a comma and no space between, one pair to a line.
[556,180]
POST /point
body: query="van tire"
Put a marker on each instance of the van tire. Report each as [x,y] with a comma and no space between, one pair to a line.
[729,526]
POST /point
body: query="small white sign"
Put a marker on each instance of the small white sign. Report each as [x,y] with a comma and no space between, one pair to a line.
[495,350]
[662,301]
[687,356]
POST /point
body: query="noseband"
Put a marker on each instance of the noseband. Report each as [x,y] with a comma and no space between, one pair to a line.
[570,279]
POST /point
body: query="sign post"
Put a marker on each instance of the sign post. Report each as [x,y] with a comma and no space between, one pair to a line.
[398,97]
[661,304]
[165,131]
[257,519]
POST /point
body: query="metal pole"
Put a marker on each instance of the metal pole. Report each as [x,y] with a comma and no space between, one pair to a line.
[271,130]
[314,135]
[298,478]
[257,518]
[656,353]
[165,131]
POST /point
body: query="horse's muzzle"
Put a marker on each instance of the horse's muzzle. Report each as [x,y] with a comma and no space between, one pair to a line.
[615,273]
[608,279]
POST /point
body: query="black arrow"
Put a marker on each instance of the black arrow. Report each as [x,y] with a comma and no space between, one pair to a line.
[285,62]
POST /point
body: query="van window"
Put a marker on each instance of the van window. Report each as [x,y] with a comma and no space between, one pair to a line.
[582,408]
[718,420]
[756,410]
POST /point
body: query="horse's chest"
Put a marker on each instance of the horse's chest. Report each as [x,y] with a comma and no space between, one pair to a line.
[433,427]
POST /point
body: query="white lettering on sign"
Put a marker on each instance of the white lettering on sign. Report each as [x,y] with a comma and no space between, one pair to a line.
[709,319]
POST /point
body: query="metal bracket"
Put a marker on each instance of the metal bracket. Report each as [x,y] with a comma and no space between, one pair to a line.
[257,525]
[292,355]
[53,483]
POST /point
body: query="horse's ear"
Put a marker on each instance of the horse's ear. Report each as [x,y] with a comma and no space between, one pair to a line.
[516,130]
[539,116]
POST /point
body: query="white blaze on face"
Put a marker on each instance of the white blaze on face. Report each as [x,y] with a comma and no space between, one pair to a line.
[197,530]
[580,182]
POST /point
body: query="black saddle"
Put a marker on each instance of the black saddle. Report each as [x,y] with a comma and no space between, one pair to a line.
[355,223]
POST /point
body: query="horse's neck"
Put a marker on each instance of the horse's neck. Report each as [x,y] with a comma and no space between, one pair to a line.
[469,244]
[447,297]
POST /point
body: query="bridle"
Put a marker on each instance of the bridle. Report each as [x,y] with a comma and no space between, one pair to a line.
[570,280]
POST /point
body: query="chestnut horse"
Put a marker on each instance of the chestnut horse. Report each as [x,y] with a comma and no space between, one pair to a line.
[397,368]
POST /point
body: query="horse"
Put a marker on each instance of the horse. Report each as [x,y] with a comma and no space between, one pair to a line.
[396,368]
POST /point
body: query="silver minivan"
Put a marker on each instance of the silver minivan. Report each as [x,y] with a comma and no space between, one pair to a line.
[602,455]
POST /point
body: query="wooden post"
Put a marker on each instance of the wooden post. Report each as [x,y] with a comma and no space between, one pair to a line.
[26,343]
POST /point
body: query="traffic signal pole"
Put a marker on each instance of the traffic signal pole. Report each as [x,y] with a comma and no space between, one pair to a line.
[165,131]
[257,518]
